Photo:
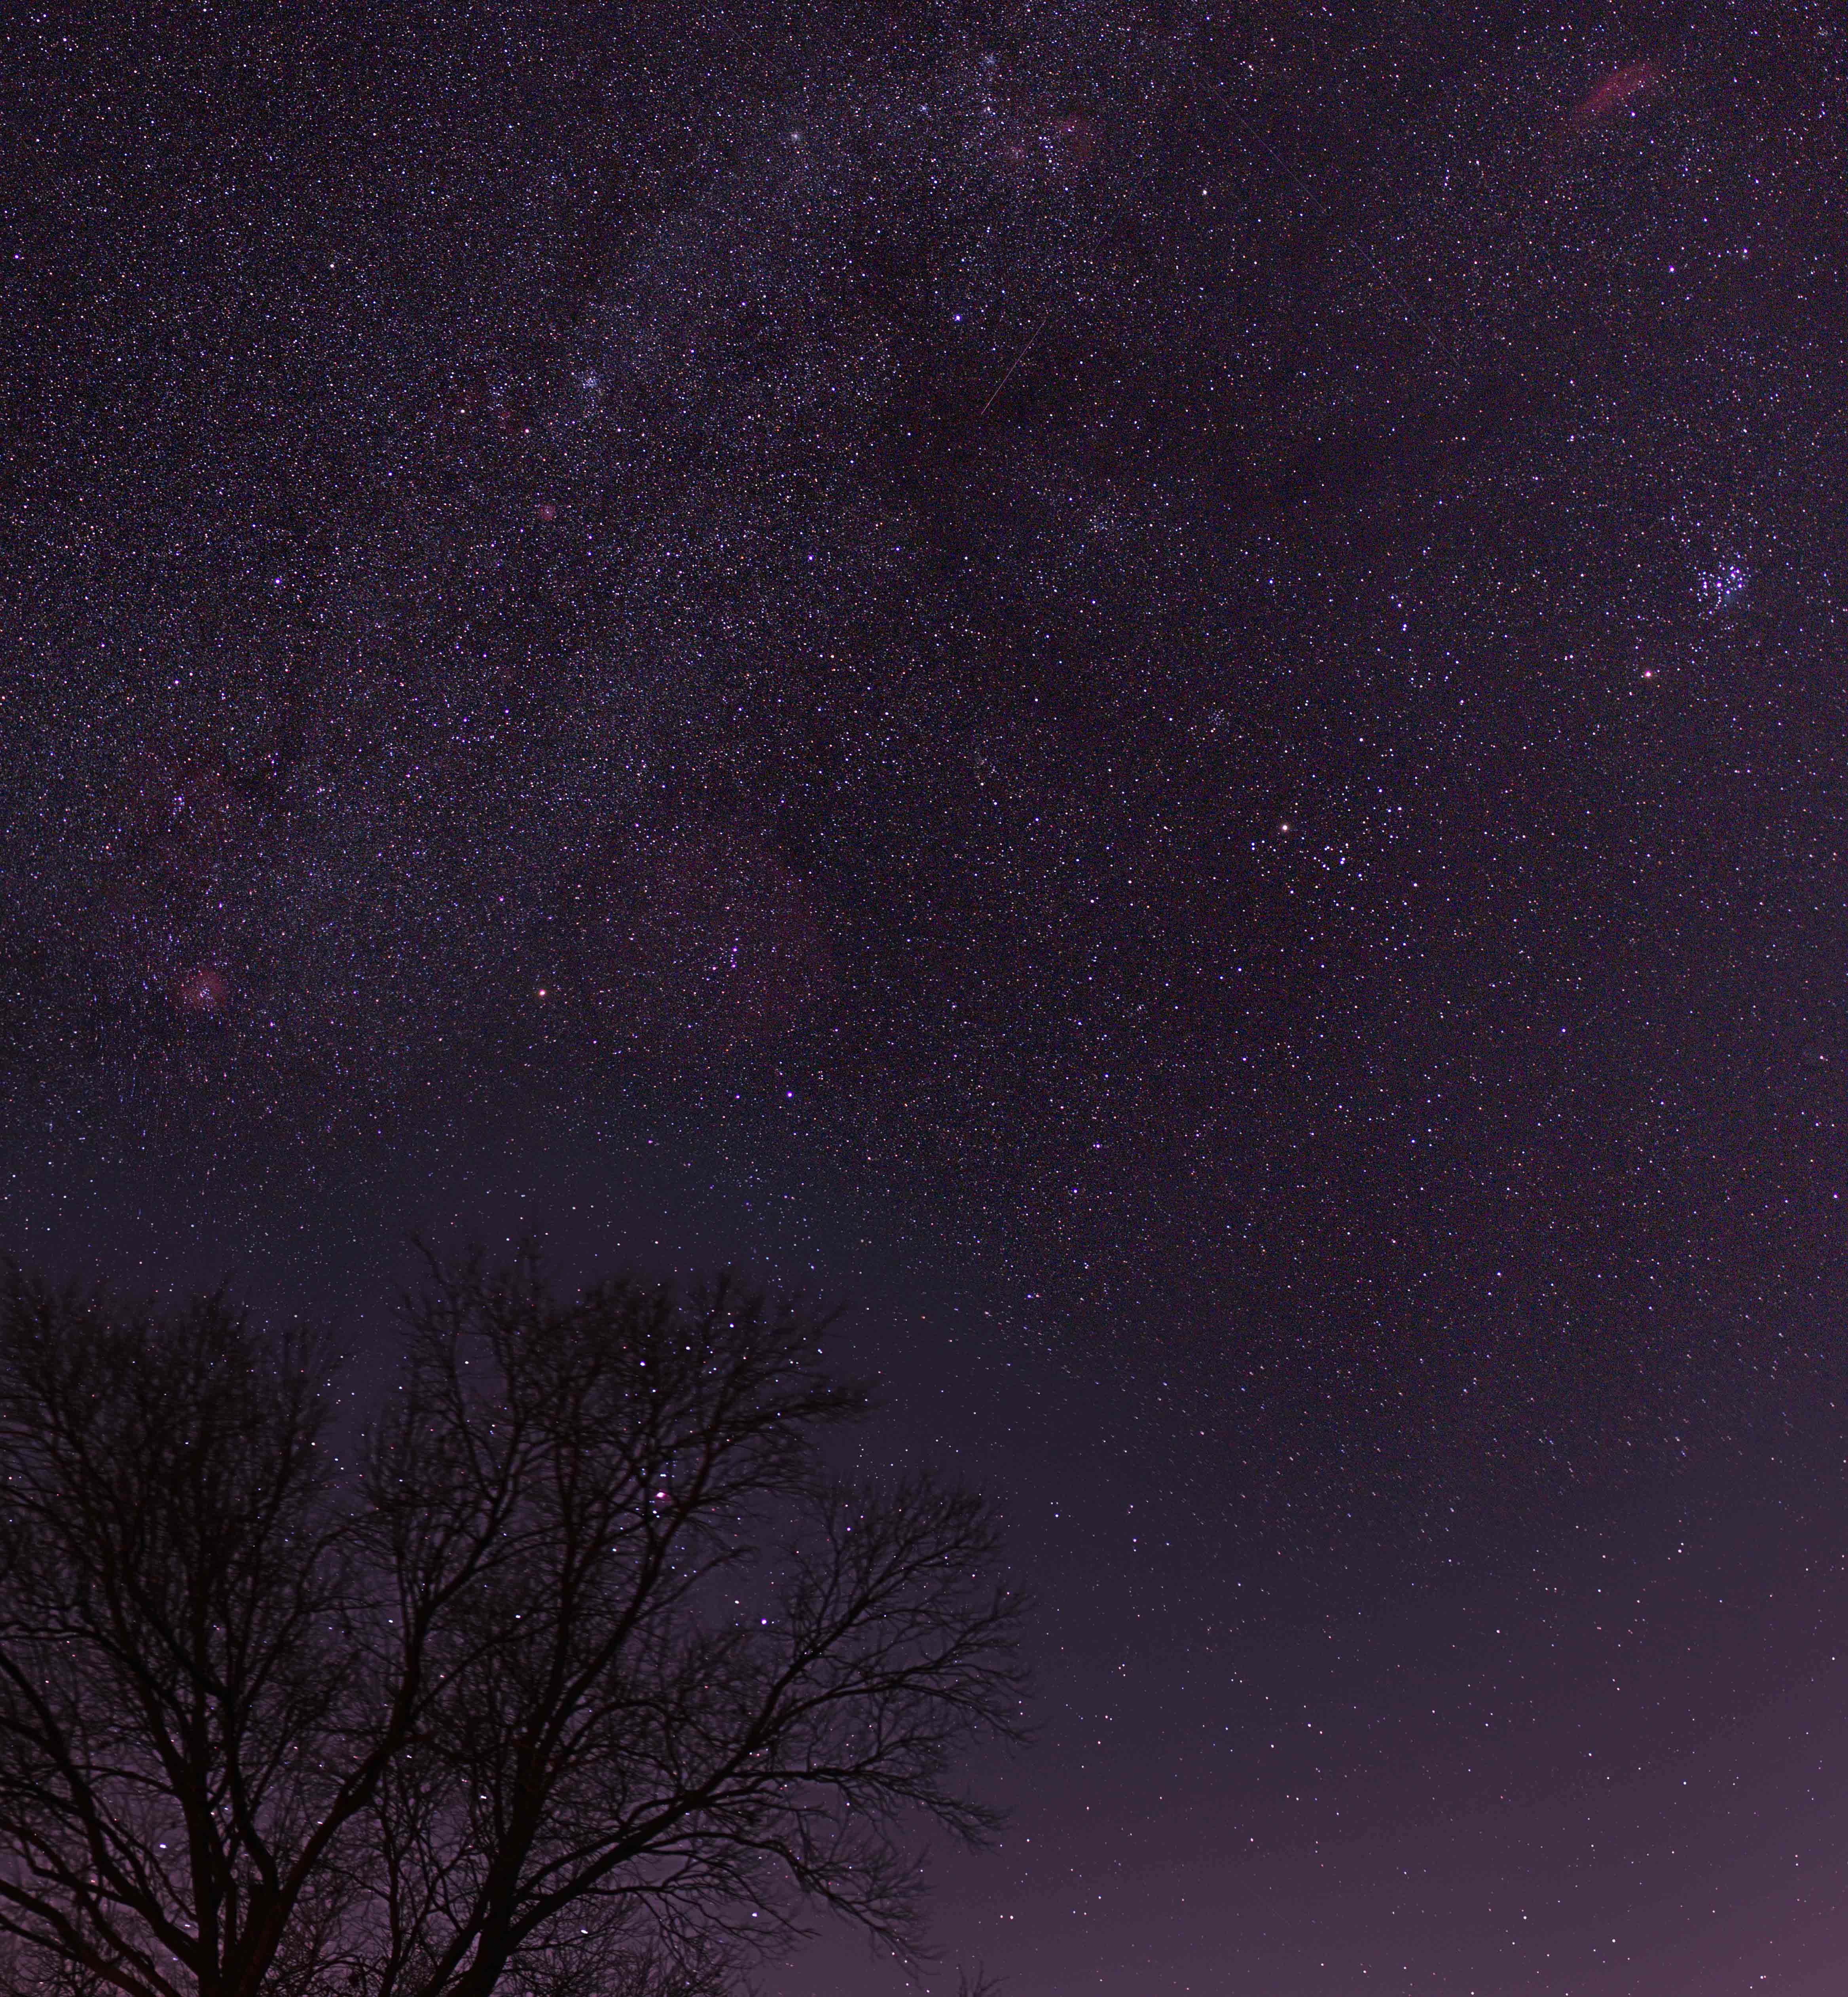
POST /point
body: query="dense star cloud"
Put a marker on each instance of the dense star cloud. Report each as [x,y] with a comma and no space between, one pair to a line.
[1167,675]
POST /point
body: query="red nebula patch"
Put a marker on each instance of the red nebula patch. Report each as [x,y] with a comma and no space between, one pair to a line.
[1047,142]
[1622,86]
[202,993]
[1071,138]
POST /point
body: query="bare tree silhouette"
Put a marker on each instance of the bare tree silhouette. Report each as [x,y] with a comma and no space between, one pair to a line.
[584,1672]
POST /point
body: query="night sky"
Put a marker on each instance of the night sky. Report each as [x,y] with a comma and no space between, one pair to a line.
[1160,688]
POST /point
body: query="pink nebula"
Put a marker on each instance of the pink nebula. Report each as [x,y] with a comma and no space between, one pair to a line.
[1620,88]
[202,992]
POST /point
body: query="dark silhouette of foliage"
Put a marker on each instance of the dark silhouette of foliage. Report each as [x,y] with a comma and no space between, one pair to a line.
[581,1673]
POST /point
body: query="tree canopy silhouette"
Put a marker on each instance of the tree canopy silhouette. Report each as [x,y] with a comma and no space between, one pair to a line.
[580,1671]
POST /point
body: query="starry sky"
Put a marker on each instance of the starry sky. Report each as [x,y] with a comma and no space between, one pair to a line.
[1157,686]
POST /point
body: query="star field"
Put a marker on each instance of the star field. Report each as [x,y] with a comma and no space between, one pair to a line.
[1159,683]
